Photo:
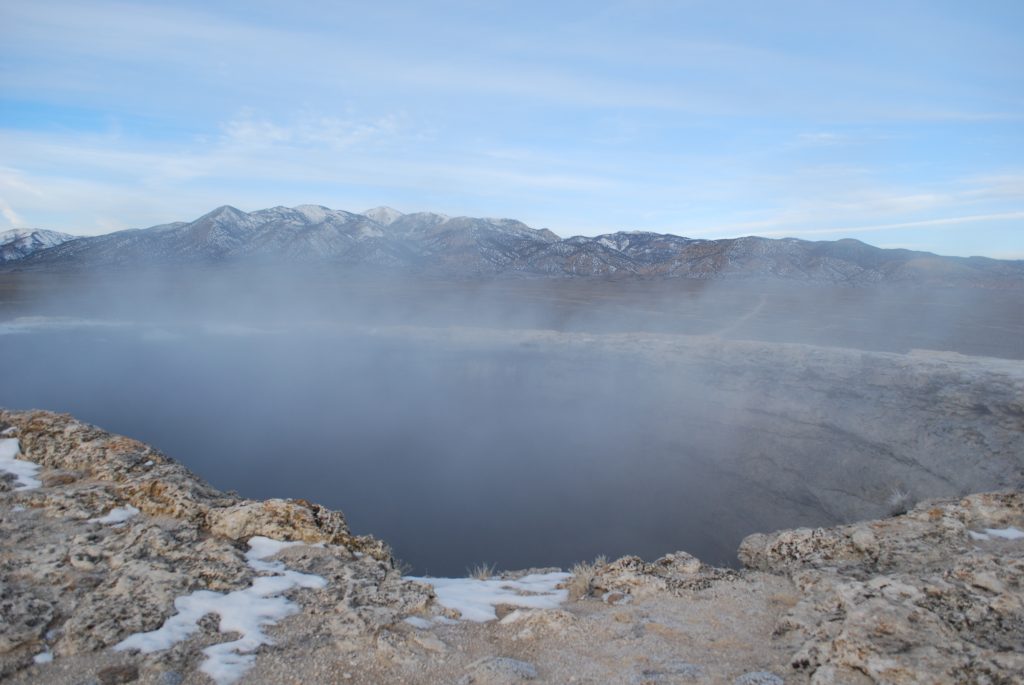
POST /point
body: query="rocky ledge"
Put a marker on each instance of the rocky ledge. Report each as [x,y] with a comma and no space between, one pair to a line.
[119,565]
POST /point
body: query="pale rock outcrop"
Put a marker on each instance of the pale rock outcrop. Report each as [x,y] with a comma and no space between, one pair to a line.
[72,585]
[633,577]
[910,599]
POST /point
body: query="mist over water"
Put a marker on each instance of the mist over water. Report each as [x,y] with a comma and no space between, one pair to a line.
[456,422]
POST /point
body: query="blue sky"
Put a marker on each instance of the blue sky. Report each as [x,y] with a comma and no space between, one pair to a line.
[899,123]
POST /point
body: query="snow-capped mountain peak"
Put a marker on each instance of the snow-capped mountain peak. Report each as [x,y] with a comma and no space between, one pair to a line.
[21,242]
[428,242]
[314,213]
[385,216]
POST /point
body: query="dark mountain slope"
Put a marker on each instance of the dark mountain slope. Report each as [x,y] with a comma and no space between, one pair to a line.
[466,246]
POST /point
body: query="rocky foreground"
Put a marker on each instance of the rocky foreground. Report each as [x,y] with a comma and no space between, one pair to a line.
[118,565]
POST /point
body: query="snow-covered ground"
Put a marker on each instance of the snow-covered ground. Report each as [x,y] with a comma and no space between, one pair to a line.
[245,612]
[24,471]
[476,599]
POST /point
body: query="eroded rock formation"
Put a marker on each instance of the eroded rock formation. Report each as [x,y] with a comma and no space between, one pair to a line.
[73,585]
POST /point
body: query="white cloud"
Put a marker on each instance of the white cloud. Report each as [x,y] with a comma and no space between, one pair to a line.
[98,183]
[9,215]
[249,131]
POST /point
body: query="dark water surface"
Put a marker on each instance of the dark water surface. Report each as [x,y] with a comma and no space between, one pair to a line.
[519,457]
[455,453]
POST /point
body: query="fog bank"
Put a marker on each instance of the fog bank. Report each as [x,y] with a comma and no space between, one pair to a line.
[536,423]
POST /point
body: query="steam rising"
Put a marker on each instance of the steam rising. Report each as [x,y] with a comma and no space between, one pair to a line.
[534,422]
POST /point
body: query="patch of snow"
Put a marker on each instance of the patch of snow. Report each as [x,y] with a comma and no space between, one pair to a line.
[149,463]
[515,617]
[21,242]
[419,622]
[1010,533]
[14,234]
[313,213]
[475,600]
[117,515]
[369,232]
[18,508]
[9,431]
[43,657]
[25,472]
[260,548]
[612,244]
[245,612]
[385,216]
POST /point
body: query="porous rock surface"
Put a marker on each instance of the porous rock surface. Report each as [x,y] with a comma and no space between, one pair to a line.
[909,599]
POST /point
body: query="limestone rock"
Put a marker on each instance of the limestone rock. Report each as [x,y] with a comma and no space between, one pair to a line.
[498,670]
[677,573]
[280,520]
[23,616]
[528,624]
[912,598]
[75,586]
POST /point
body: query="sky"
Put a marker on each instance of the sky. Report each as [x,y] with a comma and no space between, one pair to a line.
[900,123]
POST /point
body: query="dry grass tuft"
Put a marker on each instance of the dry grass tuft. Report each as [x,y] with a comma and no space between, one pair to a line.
[900,501]
[579,585]
[404,568]
[482,571]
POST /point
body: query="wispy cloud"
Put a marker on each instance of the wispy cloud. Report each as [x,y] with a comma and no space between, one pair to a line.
[9,215]
[248,129]
[926,223]
[349,157]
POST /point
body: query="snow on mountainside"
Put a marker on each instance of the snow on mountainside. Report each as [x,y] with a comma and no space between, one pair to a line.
[467,246]
[385,216]
[21,242]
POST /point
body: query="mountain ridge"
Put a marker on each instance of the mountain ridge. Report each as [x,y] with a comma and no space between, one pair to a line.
[382,237]
[21,242]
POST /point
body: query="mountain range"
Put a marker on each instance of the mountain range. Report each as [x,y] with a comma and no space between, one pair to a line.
[19,243]
[426,242]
